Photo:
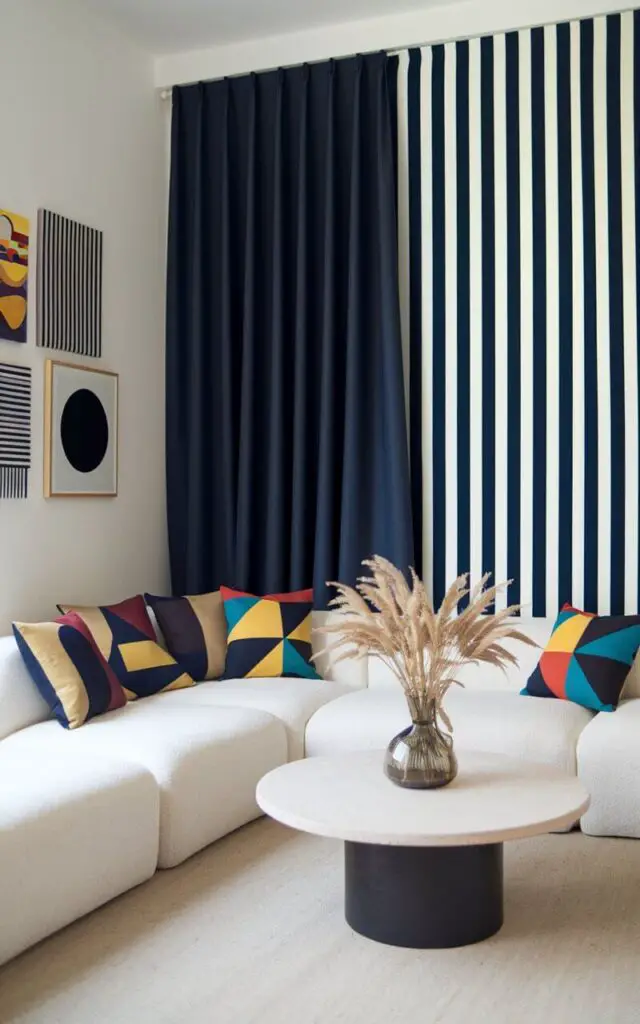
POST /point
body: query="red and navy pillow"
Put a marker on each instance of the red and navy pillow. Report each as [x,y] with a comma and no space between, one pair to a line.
[268,636]
[587,659]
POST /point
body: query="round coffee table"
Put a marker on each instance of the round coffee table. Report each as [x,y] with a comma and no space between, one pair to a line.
[423,868]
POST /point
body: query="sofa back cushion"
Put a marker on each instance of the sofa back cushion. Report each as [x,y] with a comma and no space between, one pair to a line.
[631,686]
[352,673]
[20,703]
[486,677]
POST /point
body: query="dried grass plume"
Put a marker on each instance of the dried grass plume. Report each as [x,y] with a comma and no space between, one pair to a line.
[395,622]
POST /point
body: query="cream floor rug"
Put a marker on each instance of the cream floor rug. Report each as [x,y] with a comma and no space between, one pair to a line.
[251,931]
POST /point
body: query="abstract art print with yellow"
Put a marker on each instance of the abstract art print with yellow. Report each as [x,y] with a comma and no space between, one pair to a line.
[14,271]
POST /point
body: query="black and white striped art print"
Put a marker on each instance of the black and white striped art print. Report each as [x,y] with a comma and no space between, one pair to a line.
[519,161]
[69,314]
[15,430]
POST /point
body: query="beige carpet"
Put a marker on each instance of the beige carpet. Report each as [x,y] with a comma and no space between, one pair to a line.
[252,930]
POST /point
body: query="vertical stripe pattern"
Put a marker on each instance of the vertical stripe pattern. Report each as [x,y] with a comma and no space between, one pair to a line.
[524,212]
[15,430]
[69,314]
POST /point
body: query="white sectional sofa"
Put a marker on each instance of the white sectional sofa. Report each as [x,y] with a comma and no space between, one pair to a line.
[89,813]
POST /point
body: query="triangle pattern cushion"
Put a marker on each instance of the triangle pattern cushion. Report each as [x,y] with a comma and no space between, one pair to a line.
[587,659]
[124,635]
[268,636]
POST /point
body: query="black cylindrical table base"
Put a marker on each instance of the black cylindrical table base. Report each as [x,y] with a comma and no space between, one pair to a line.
[432,897]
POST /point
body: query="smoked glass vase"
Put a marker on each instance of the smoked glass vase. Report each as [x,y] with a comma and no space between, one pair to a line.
[422,755]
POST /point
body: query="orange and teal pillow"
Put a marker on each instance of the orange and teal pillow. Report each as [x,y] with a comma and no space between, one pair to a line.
[125,637]
[68,669]
[194,630]
[587,659]
[268,636]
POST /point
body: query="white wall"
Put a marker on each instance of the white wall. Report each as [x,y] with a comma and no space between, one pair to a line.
[434,24]
[82,133]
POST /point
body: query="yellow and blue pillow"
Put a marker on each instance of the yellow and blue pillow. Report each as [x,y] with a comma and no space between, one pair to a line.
[268,636]
[587,659]
[68,669]
[126,639]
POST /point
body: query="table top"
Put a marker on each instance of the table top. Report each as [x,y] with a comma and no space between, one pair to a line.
[492,799]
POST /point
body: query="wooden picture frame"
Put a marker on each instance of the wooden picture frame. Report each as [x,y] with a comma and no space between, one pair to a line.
[80,431]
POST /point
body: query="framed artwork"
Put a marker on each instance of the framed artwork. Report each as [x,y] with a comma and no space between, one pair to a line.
[14,271]
[81,431]
[15,430]
[69,316]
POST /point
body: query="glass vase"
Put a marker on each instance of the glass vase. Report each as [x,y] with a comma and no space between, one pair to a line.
[422,755]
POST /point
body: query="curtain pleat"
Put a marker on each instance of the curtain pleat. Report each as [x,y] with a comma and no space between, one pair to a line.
[286,434]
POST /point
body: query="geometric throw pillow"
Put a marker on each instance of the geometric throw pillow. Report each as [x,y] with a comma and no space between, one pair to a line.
[195,632]
[125,636]
[68,669]
[587,659]
[268,636]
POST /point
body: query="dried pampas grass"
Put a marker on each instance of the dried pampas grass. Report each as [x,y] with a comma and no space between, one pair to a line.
[393,621]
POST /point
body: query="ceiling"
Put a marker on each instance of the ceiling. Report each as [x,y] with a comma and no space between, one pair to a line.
[172,26]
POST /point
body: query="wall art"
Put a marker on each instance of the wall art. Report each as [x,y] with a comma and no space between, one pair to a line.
[81,431]
[69,285]
[15,430]
[14,272]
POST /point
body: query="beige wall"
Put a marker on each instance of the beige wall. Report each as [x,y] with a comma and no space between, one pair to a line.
[82,133]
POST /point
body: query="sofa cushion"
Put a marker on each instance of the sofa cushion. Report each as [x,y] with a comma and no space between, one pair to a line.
[126,637]
[352,672]
[500,723]
[587,659]
[76,830]
[609,767]
[68,669]
[206,763]
[268,636]
[487,677]
[194,630]
[21,704]
[292,701]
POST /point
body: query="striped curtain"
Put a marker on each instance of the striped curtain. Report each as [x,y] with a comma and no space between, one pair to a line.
[519,199]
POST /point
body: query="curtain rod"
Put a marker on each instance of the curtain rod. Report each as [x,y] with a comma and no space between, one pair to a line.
[166,93]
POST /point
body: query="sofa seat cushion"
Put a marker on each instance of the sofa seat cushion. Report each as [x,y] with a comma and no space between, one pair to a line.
[544,731]
[206,763]
[76,830]
[609,767]
[292,701]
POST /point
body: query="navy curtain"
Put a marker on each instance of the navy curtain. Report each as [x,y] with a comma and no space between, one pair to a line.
[287,456]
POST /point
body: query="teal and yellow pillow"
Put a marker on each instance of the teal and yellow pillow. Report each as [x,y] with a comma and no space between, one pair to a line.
[126,639]
[194,630]
[68,669]
[587,659]
[268,636]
